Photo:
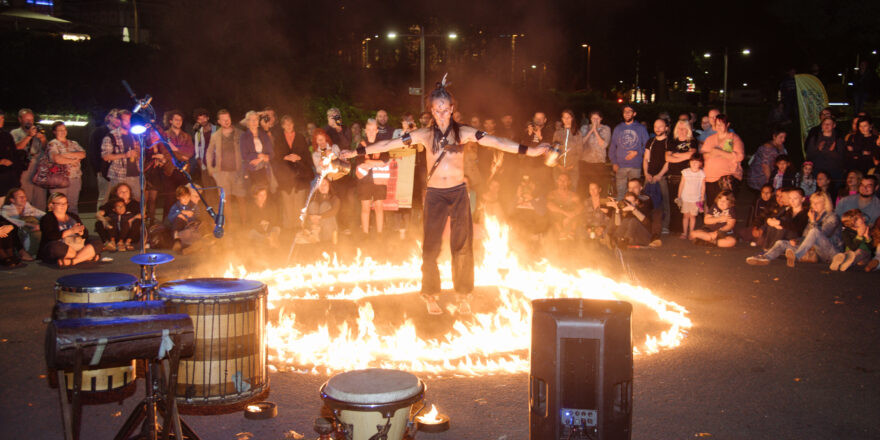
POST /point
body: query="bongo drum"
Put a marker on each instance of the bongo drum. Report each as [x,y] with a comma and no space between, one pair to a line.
[373,402]
[228,369]
[103,384]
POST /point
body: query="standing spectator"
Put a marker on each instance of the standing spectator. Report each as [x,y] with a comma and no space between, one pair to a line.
[537,131]
[403,216]
[31,141]
[65,240]
[293,171]
[816,130]
[425,120]
[761,165]
[723,153]
[656,168]
[18,211]
[385,132]
[224,162]
[707,125]
[719,222]
[67,153]
[627,149]
[682,148]
[100,166]
[570,142]
[120,149]
[862,152]
[181,145]
[565,209]
[339,134]
[263,224]
[202,132]
[788,94]
[310,134]
[323,148]
[10,166]
[357,134]
[825,149]
[256,149]
[691,196]
[371,193]
[865,201]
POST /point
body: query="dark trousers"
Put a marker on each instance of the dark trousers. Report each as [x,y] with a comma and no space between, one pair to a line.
[675,216]
[440,204]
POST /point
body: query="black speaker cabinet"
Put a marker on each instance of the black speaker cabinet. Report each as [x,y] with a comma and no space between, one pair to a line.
[580,385]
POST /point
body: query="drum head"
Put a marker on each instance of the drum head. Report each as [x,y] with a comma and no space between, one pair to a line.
[211,288]
[96,282]
[373,386]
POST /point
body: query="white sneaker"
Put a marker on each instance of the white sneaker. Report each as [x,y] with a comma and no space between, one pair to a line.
[758,260]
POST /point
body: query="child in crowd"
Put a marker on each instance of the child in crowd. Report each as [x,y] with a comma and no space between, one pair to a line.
[857,243]
[691,194]
[805,179]
[120,226]
[765,207]
[182,222]
[719,221]
[783,176]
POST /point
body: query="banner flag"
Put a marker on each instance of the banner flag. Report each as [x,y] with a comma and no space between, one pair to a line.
[811,99]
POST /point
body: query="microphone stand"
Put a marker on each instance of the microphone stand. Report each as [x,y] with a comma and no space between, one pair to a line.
[144,109]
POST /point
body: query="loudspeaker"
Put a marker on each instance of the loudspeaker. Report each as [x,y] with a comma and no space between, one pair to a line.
[580,386]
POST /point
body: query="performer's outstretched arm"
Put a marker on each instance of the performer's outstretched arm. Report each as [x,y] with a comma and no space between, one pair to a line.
[418,137]
[470,134]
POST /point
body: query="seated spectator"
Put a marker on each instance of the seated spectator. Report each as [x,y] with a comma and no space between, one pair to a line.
[65,241]
[691,195]
[764,208]
[783,175]
[857,243]
[182,221]
[875,237]
[719,222]
[18,211]
[850,186]
[789,224]
[528,214]
[565,208]
[655,216]
[321,223]
[805,179]
[632,223]
[104,222]
[263,222]
[825,185]
[822,236]
[119,226]
[865,201]
[595,212]
[10,245]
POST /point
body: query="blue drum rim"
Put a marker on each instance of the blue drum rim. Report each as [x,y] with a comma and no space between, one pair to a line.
[82,288]
[248,289]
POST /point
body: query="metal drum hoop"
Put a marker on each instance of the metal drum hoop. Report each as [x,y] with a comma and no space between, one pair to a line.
[97,289]
[227,297]
[387,409]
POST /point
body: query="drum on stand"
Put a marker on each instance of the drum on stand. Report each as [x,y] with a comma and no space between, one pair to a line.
[373,402]
[102,384]
[229,368]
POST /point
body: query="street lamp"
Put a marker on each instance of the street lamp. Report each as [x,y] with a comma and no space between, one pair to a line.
[744,52]
[707,55]
[393,35]
[589,49]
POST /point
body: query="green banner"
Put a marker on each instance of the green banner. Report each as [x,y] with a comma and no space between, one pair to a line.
[812,99]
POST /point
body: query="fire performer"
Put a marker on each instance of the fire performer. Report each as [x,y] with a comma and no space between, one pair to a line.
[447,195]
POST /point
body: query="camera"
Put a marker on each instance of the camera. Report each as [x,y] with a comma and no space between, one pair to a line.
[411,125]
[337,118]
[265,118]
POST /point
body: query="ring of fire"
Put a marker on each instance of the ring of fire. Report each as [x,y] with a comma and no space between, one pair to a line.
[484,343]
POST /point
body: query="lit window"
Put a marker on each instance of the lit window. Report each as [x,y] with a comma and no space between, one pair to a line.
[49,3]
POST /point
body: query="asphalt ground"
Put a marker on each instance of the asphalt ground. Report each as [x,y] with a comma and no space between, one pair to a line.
[774,353]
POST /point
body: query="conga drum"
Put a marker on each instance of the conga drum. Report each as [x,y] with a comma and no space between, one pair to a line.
[103,384]
[373,403]
[228,369]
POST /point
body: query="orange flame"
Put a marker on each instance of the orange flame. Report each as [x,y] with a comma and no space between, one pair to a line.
[430,417]
[484,343]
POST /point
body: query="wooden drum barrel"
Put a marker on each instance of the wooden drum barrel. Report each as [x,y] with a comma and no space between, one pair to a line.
[228,369]
[103,384]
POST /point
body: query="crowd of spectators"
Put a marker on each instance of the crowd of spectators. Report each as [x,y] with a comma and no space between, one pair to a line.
[631,186]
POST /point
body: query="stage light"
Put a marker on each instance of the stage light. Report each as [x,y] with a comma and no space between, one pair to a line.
[138,124]
[746,51]
[707,55]
[452,35]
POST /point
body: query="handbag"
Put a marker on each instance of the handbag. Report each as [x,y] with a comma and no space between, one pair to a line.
[49,174]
